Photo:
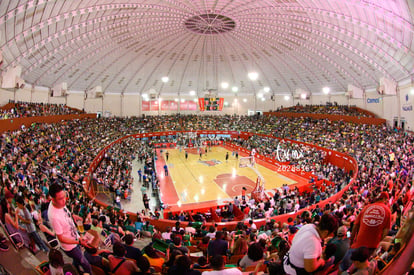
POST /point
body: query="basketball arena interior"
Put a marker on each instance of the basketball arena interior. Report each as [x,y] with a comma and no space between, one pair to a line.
[216,114]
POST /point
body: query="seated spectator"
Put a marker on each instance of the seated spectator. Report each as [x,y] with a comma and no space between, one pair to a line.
[167,234]
[217,263]
[211,232]
[177,228]
[118,264]
[26,220]
[56,262]
[360,262]
[153,257]
[253,256]
[328,256]
[96,257]
[203,245]
[57,265]
[388,255]
[239,246]
[131,251]
[202,263]
[190,229]
[144,266]
[341,242]
[182,266]
[176,245]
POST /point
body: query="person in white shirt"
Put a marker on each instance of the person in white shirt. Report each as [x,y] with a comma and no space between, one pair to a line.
[167,234]
[217,264]
[306,250]
[62,223]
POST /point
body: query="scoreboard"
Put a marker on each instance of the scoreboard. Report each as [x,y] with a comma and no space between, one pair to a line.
[211,103]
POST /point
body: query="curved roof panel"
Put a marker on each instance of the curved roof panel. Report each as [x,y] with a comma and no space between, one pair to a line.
[128,46]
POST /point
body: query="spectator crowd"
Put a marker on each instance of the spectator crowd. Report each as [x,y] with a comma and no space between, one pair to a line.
[35,158]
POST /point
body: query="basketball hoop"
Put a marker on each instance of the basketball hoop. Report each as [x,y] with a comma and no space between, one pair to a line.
[246,162]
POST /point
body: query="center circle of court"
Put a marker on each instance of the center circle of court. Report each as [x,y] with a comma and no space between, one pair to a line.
[211,176]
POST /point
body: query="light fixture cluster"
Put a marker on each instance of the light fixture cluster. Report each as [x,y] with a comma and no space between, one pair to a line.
[252,76]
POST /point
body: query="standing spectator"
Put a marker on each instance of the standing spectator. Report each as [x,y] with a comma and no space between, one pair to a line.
[227,156]
[118,201]
[140,174]
[370,227]
[306,250]
[62,223]
[145,200]
[244,193]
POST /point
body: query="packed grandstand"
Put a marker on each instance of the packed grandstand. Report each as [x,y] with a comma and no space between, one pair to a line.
[39,155]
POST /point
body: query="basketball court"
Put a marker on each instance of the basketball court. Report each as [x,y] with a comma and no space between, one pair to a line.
[196,183]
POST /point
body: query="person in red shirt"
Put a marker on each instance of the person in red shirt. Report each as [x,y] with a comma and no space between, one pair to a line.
[244,193]
[371,226]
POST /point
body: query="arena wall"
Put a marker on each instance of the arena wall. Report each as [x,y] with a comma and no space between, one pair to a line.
[397,108]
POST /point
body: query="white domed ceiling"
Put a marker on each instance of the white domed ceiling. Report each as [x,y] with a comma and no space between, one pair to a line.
[128,46]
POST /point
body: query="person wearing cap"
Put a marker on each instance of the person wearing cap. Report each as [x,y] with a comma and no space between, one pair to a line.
[305,253]
[370,227]
[341,242]
[360,262]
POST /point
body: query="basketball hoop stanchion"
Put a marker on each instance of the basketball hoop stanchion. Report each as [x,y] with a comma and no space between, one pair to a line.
[258,192]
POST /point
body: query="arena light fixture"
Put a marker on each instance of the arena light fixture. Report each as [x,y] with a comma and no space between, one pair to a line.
[260,95]
[287,97]
[176,99]
[192,93]
[303,96]
[326,90]
[266,89]
[263,99]
[224,85]
[235,89]
[412,91]
[165,79]
[244,99]
[253,75]
[182,100]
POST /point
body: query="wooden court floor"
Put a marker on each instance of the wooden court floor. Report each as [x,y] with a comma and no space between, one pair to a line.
[209,179]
